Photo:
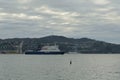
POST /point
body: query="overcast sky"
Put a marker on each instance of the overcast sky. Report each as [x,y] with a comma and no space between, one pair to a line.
[96,19]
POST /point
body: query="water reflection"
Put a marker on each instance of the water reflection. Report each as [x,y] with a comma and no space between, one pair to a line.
[57,67]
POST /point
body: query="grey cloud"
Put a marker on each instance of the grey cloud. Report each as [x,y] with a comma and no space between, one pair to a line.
[72,18]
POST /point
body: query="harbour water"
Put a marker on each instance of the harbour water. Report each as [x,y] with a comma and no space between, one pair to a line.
[58,67]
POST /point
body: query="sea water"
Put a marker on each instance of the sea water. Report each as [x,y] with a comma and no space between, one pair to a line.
[58,67]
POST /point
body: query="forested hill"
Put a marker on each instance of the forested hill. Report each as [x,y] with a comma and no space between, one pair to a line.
[82,45]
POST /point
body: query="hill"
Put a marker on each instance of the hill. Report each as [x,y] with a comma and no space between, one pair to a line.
[82,45]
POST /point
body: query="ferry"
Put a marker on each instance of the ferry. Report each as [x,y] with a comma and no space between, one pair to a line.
[46,50]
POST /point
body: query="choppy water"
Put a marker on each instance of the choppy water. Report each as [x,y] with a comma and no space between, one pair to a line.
[57,67]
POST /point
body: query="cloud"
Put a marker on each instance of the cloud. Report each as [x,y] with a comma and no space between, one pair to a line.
[104,9]
[112,17]
[101,2]
[72,18]
[4,15]
[68,17]
[24,1]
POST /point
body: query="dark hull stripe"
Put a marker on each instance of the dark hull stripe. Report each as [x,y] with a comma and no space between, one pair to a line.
[44,53]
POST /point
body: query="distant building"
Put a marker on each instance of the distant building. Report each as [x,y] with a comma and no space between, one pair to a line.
[8,51]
